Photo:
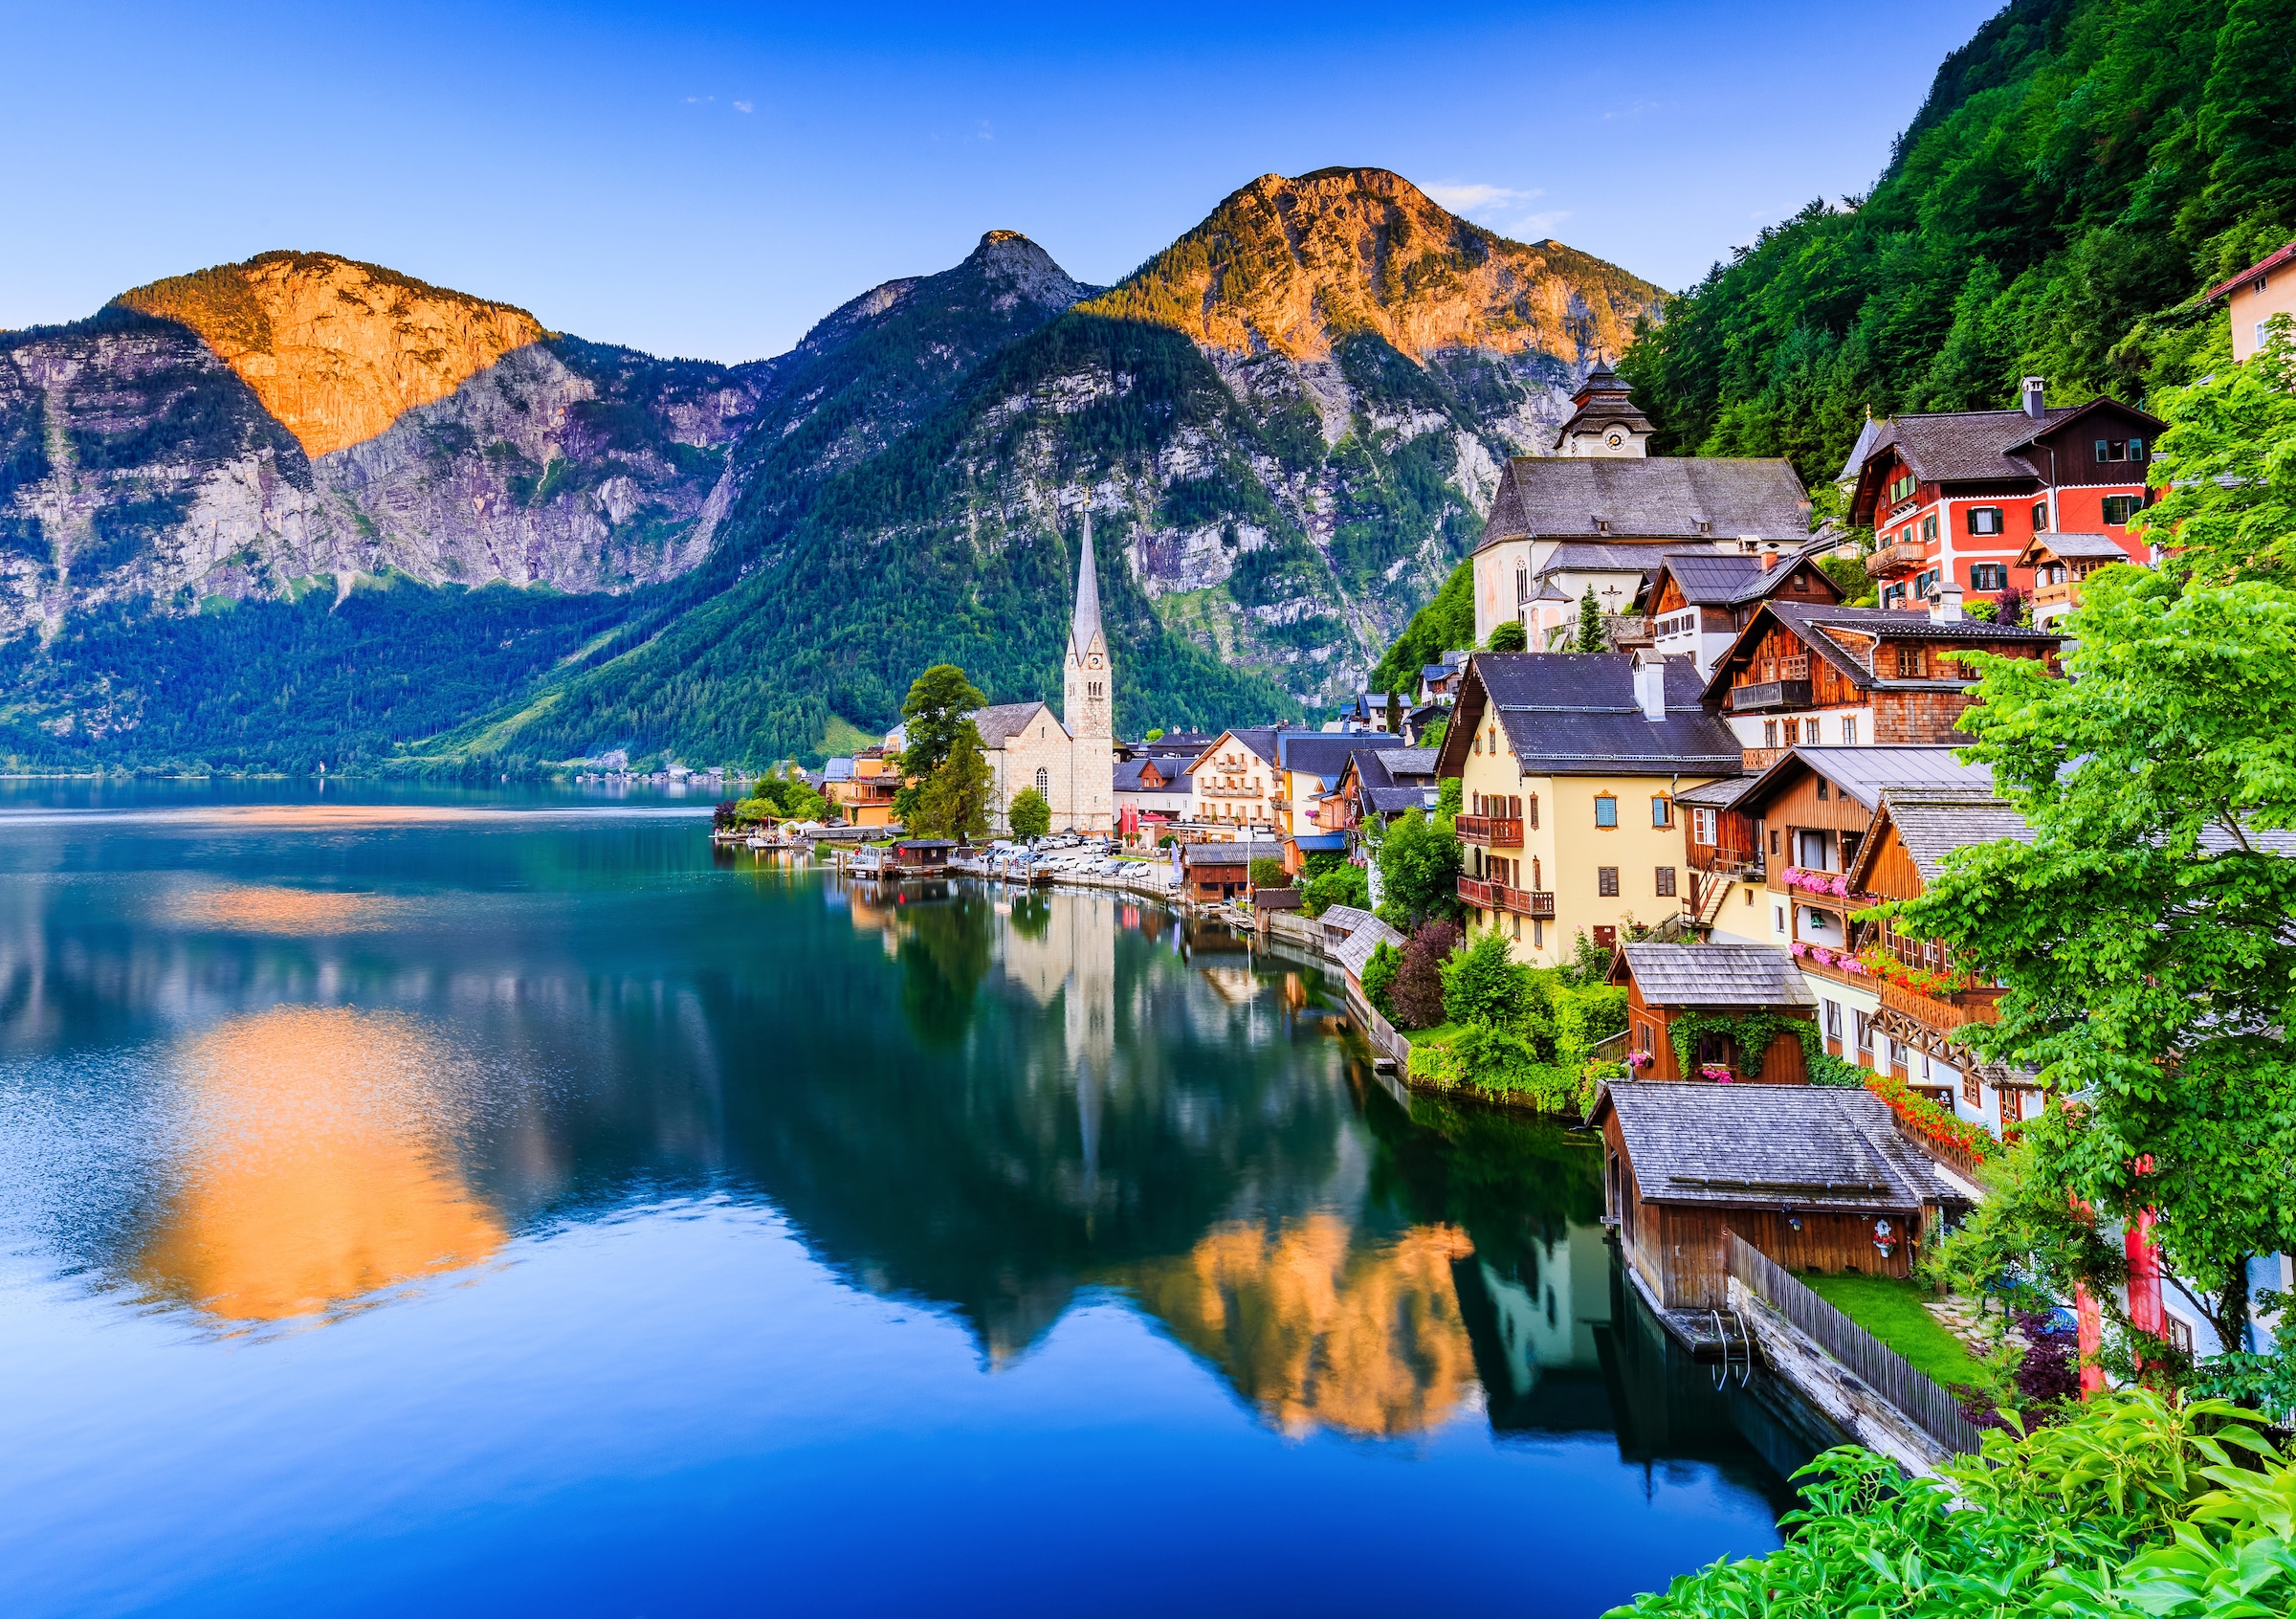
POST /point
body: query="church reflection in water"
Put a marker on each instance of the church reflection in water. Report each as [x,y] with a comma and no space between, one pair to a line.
[993,1103]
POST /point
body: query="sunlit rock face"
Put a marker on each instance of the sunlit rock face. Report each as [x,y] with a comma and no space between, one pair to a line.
[337,351]
[318,1168]
[1320,1330]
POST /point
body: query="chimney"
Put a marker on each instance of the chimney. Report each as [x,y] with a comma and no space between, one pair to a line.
[1945,607]
[2034,407]
[1651,684]
[1769,557]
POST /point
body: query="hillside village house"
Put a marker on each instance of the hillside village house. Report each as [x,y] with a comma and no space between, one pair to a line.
[1231,783]
[2264,289]
[2058,563]
[1699,601]
[1568,767]
[1667,984]
[1954,498]
[1070,761]
[860,789]
[1812,821]
[1602,512]
[1378,783]
[1806,675]
[1152,795]
[1308,764]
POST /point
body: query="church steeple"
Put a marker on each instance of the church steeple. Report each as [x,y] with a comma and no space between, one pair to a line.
[1089,671]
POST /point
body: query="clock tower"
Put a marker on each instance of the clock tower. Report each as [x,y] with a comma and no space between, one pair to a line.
[1088,691]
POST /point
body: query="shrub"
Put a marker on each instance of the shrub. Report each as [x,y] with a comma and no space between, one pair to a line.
[1417,994]
[1583,1014]
[1589,963]
[1378,977]
[1509,636]
[1029,816]
[1349,885]
[1484,984]
[1267,872]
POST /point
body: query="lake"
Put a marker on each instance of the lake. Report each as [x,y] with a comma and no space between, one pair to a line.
[465,1203]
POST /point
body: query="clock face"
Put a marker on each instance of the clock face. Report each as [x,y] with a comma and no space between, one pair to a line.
[1617,438]
[1095,660]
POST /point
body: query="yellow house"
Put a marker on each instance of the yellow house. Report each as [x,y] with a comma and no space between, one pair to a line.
[1234,784]
[1568,766]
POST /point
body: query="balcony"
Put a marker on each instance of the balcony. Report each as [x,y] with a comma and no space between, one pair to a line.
[1943,1013]
[1768,695]
[2060,597]
[1891,561]
[1498,897]
[1492,831]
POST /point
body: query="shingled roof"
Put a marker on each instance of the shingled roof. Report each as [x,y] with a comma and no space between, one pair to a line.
[1366,936]
[1650,498]
[1865,773]
[1810,623]
[1324,754]
[1933,822]
[1576,714]
[1808,1146]
[1716,975]
[1000,723]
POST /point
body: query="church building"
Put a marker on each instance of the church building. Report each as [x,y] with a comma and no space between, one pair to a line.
[1073,761]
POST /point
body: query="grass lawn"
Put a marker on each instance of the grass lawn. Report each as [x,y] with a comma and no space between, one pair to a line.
[1891,1311]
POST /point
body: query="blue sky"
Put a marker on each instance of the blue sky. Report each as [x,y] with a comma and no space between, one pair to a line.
[710,180]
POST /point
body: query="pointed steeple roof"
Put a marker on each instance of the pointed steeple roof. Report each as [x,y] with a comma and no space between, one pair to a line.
[1087,622]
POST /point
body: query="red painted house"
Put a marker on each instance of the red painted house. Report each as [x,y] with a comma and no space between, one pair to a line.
[1954,497]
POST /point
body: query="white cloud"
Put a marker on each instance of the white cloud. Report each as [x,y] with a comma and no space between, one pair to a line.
[1504,209]
[745,106]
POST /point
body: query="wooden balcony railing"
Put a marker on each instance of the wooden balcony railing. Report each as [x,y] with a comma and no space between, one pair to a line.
[1498,897]
[1908,556]
[1492,831]
[1946,1013]
[1768,695]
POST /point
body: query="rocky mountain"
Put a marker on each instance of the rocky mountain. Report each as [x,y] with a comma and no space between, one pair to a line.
[1286,426]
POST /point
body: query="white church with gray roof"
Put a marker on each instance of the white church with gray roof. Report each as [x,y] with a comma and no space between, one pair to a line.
[1069,757]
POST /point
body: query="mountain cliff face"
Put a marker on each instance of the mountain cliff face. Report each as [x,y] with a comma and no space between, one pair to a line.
[1286,426]
[300,421]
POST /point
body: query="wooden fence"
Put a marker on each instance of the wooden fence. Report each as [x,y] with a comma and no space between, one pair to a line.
[1890,1374]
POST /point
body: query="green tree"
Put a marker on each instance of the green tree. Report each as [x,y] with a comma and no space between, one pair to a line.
[935,712]
[2142,932]
[1267,872]
[1590,637]
[1509,636]
[1445,624]
[1420,860]
[1485,984]
[952,801]
[1395,714]
[1029,816]
[2229,460]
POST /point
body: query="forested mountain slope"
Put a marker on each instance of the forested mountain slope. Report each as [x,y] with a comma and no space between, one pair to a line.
[2080,171]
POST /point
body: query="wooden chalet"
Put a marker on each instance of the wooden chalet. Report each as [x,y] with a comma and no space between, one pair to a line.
[1925,1004]
[1817,1176]
[922,856]
[1222,871]
[2058,563]
[1953,497]
[1807,675]
[1699,601]
[1665,982]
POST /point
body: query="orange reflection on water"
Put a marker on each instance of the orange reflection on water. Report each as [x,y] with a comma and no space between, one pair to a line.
[1319,1332]
[245,908]
[316,1171]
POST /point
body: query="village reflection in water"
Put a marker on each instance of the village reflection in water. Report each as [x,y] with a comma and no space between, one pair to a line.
[994,1103]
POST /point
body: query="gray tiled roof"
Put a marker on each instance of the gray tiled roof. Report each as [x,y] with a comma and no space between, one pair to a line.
[1966,445]
[1718,975]
[1810,1147]
[1809,622]
[1596,556]
[1368,936]
[1575,713]
[1933,822]
[1670,496]
[1713,795]
[2082,546]
[1323,754]
[1865,773]
[1229,854]
[1000,723]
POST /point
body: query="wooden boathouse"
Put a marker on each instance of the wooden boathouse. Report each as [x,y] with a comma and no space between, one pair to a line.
[1668,985]
[1817,1178]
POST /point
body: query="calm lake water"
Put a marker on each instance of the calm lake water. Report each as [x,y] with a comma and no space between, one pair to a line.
[512,1205]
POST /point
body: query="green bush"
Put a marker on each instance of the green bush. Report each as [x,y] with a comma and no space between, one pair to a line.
[1378,977]
[1029,816]
[1349,885]
[1484,984]
[1509,636]
[1583,1014]
[1267,872]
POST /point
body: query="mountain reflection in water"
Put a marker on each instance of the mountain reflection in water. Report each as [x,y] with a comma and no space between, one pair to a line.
[1018,1169]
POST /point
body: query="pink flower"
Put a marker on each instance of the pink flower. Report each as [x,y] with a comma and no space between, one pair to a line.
[1799,949]
[1821,956]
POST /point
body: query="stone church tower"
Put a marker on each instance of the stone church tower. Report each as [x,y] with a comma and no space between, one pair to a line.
[1087,705]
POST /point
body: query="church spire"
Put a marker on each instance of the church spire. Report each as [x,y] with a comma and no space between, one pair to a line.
[1087,623]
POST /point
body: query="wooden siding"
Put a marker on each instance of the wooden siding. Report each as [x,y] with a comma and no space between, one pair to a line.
[1892,874]
[1829,687]
[1784,1063]
[1800,806]
[1924,718]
